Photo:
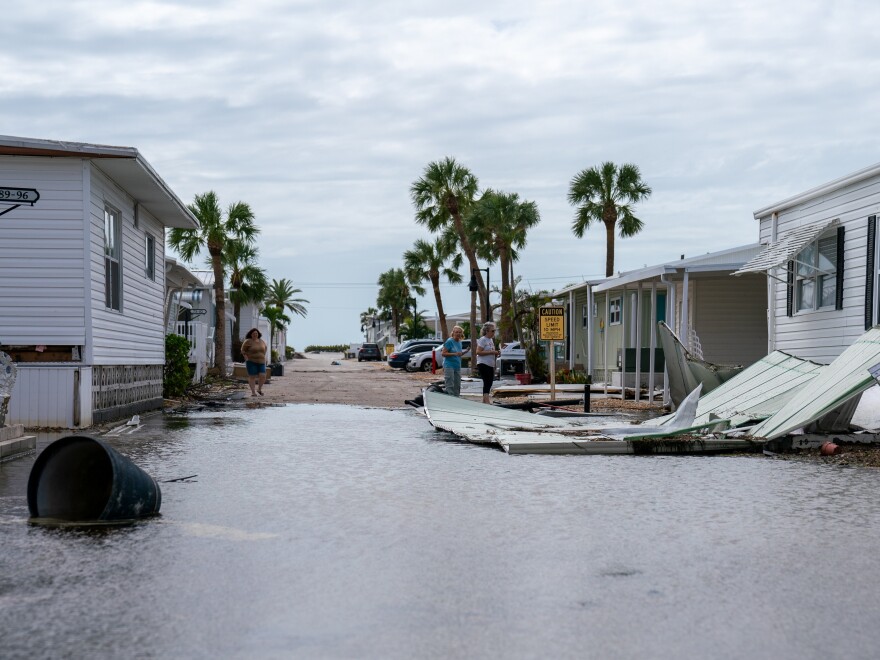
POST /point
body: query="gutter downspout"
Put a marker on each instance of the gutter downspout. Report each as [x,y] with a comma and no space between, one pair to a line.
[683,329]
[589,361]
[670,311]
[771,289]
[571,330]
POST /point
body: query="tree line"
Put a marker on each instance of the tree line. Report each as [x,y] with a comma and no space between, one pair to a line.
[472,227]
[230,242]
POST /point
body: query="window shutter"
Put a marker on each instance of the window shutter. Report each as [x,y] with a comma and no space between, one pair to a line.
[838,303]
[789,286]
[869,277]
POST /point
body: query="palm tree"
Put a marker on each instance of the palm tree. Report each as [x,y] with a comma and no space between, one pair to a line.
[499,223]
[394,296]
[414,327]
[367,317]
[215,233]
[247,283]
[278,320]
[281,295]
[606,194]
[441,196]
[427,261]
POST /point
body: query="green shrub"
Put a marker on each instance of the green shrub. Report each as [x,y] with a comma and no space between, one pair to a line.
[289,352]
[274,356]
[571,377]
[338,348]
[536,365]
[177,376]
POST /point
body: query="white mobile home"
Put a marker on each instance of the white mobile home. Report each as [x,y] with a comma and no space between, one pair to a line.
[821,263]
[613,322]
[82,280]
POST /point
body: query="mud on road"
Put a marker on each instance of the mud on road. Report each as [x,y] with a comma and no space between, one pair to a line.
[328,378]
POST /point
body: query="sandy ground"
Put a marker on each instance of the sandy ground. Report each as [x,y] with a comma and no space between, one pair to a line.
[328,378]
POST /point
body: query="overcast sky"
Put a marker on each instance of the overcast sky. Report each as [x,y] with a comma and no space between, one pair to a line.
[322,114]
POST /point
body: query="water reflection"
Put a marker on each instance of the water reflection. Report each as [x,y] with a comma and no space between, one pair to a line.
[332,531]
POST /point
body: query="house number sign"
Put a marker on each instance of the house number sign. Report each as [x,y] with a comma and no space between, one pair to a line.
[17,196]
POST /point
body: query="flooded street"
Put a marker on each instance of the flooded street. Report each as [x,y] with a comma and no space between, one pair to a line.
[334,531]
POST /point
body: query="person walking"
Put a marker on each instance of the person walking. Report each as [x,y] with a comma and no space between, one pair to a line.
[486,354]
[254,350]
[452,352]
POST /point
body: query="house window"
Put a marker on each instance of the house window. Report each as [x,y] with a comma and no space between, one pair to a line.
[614,311]
[150,257]
[584,316]
[816,274]
[112,255]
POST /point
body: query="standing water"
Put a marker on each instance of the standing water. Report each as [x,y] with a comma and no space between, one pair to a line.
[331,531]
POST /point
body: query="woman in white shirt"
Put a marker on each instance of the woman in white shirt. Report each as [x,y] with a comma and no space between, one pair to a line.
[486,354]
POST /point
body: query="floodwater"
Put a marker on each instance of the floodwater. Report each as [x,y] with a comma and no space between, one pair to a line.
[338,532]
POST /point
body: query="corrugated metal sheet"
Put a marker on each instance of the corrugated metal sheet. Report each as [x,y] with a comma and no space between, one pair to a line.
[840,381]
[758,391]
[778,252]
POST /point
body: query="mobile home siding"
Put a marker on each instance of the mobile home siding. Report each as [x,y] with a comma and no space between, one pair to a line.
[822,335]
[134,335]
[44,396]
[42,284]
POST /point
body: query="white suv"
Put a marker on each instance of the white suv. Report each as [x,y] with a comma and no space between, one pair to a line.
[423,361]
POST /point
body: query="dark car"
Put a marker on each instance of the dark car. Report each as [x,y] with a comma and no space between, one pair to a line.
[369,352]
[399,359]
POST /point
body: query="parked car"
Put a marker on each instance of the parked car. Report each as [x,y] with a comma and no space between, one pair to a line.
[512,359]
[369,352]
[422,361]
[399,358]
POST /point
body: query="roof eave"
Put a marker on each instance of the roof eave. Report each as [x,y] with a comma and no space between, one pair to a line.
[142,179]
[818,191]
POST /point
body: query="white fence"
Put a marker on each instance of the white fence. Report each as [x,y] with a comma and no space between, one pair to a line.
[201,345]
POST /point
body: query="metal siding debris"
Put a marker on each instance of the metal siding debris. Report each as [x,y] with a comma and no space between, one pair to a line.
[840,381]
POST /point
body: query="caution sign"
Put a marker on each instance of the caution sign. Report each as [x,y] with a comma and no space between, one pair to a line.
[552,323]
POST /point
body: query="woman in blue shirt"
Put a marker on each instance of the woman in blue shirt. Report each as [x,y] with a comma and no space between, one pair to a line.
[452,353]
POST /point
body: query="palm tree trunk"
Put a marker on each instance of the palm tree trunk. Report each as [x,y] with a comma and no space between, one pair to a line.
[435,284]
[504,321]
[236,330]
[472,260]
[609,249]
[220,309]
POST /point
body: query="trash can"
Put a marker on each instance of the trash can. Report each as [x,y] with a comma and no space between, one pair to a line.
[81,479]
[277,369]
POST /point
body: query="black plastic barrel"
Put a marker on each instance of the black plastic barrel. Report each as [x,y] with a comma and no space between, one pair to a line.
[81,479]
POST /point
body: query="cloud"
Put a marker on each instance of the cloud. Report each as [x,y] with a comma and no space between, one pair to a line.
[321,115]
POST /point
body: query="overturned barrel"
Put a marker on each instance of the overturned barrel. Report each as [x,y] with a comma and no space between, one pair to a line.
[81,479]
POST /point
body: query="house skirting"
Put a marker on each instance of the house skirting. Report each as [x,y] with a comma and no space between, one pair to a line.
[71,395]
[124,390]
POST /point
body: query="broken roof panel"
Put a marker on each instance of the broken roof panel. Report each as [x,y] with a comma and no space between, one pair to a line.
[785,248]
[758,391]
[840,381]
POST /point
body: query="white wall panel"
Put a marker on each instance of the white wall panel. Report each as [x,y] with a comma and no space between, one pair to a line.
[42,292]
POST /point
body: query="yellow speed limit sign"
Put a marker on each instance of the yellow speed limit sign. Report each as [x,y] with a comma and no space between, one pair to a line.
[552,323]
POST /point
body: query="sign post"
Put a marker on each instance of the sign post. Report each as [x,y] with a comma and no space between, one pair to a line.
[552,329]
